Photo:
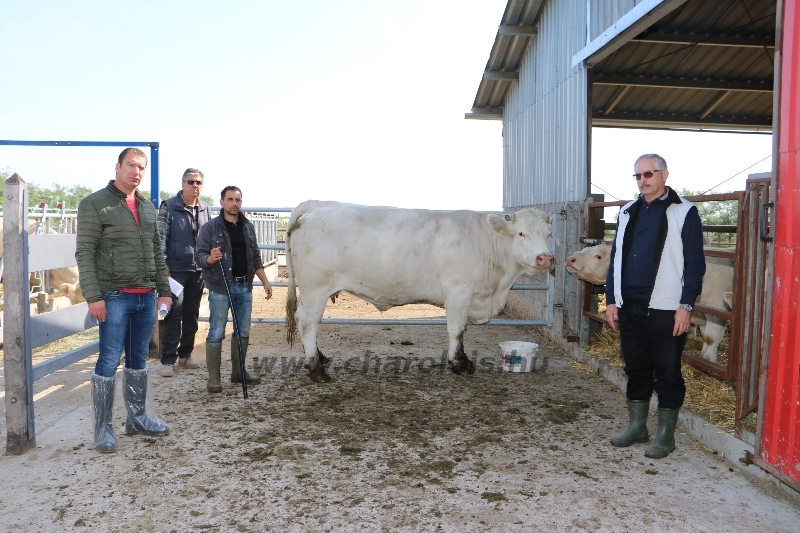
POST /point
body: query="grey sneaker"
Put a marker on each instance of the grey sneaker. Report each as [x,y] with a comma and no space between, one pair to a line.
[167,371]
[188,363]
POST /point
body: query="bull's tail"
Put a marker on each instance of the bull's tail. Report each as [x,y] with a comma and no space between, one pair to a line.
[291,296]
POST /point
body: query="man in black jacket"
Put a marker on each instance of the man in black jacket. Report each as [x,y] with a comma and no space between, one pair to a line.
[179,221]
[655,274]
[229,238]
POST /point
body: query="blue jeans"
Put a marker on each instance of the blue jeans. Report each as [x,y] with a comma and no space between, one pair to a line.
[128,326]
[218,312]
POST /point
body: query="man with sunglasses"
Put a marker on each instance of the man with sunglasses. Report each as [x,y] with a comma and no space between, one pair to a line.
[655,275]
[179,221]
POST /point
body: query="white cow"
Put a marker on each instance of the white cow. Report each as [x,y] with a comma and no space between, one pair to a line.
[73,292]
[591,264]
[463,261]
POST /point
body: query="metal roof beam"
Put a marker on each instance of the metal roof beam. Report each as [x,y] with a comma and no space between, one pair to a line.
[675,83]
[497,75]
[485,113]
[714,103]
[524,31]
[658,121]
[616,97]
[707,40]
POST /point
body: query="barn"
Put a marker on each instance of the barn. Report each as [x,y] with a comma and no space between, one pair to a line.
[559,68]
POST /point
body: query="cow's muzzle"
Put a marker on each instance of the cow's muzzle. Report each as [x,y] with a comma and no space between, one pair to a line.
[545,261]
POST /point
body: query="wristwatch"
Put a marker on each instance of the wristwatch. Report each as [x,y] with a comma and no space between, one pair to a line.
[687,307]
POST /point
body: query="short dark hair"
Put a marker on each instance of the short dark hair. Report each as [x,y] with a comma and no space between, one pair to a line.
[193,171]
[134,151]
[229,188]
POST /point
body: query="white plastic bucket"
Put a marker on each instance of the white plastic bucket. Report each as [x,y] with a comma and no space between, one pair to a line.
[518,356]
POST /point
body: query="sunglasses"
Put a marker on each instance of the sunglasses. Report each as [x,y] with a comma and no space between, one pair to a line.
[194,182]
[648,174]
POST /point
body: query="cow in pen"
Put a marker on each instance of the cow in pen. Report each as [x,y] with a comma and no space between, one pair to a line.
[591,264]
[463,261]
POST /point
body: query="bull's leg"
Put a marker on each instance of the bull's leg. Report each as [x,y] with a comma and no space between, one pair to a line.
[696,324]
[457,358]
[308,319]
[713,331]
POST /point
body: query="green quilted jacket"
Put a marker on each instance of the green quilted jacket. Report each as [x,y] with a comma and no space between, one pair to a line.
[112,253]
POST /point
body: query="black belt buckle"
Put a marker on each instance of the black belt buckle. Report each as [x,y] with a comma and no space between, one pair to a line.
[240,279]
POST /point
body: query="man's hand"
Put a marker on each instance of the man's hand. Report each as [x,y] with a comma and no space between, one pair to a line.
[268,290]
[612,316]
[97,310]
[214,256]
[166,300]
[682,319]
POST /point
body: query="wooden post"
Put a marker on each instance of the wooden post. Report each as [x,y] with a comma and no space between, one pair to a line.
[20,434]
[41,303]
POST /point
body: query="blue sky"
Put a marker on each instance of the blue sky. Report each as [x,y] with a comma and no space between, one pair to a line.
[353,100]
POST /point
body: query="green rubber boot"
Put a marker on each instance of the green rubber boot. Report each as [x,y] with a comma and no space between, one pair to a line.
[236,373]
[664,441]
[637,425]
[213,362]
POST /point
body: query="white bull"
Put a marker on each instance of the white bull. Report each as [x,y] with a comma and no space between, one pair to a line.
[591,264]
[463,261]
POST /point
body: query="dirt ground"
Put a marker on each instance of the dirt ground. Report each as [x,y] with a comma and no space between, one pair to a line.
[394,442]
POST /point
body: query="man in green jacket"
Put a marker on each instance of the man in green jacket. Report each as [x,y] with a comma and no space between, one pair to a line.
[123,278]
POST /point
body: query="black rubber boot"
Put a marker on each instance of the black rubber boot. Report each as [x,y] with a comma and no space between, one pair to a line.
[141,420]
[637,425]
[664,441]
[105,439]
[213,362]
[236,373]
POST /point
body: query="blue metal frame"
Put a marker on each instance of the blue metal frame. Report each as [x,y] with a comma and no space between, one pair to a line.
[155,193]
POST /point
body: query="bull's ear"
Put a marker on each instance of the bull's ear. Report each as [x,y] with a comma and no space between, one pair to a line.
[498,223]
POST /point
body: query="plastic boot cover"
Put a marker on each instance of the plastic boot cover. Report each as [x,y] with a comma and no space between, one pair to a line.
[105,438]
[140,405]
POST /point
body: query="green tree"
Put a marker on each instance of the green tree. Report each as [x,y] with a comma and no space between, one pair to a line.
[717,213]
[70,197]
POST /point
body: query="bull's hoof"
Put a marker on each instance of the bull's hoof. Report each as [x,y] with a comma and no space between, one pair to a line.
[322,359]
[319,376]
[462,367]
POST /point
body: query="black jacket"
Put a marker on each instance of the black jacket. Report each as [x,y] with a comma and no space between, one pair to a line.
[214,234]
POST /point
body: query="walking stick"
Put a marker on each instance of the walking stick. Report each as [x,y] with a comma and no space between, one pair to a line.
[235,327]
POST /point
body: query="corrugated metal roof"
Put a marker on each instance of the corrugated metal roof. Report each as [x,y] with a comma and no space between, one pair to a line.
[517,27]
[708,64]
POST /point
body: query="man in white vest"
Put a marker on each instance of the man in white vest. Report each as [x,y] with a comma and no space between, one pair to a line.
[654,277]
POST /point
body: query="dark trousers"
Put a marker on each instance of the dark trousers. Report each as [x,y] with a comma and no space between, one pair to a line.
[180,324]
[652,354]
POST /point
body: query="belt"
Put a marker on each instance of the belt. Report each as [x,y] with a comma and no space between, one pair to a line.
[239,279]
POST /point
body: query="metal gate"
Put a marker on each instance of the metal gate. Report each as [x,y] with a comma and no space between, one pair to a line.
[750,299]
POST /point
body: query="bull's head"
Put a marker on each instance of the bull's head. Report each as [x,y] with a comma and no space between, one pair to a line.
[530,232]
